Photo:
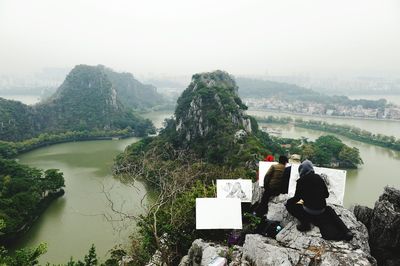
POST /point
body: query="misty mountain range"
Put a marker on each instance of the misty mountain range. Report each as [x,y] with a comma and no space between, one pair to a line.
[98,98]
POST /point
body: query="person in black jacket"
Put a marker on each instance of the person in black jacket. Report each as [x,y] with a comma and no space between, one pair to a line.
[309,206]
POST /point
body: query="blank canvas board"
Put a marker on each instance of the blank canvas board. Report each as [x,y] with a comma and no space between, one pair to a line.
[335,180]
[235,188]
[262,170]
[216,213]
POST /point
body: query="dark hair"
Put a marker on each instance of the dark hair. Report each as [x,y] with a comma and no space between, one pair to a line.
[283,159]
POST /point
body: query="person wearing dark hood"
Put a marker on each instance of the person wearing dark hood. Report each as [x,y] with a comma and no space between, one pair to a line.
[309,206]
[273,183]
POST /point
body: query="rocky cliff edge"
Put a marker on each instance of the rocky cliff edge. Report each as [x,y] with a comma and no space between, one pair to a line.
[383,224]
[290,247]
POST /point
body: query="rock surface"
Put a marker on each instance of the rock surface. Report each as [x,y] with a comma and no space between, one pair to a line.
[383,223]
[204,253]
[292,247]
[209,99]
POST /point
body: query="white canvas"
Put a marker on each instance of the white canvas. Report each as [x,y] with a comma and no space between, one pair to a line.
[262,170]
[335,180]
[235,188]
[215,213]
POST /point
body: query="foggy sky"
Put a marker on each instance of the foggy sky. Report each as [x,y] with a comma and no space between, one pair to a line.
[173,37]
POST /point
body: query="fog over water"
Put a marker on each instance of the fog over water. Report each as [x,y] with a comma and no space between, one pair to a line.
[178,37]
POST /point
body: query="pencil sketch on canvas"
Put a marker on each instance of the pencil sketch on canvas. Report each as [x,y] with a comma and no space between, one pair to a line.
[235,188]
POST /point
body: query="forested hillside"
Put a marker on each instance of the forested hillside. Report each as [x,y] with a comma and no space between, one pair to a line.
[132,93]
[87,100]
[16,120]
[25,193]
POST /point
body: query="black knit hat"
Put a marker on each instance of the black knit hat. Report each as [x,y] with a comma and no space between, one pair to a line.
[283,159]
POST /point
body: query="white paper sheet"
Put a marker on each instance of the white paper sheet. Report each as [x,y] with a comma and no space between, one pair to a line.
[214,213]
[235,188]
[335,180]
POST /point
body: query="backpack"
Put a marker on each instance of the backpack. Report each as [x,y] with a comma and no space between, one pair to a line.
[269,228]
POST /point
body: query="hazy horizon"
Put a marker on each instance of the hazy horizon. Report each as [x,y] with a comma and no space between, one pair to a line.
[179,38]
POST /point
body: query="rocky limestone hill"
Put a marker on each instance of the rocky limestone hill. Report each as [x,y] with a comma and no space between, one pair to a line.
[291,247]
[210,120]
[383,224]
[209,103]
[86,100]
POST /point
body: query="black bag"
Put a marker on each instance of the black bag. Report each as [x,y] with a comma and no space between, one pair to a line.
[269,228]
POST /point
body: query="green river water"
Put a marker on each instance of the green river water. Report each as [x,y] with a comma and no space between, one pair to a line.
[76,220]
[83,215]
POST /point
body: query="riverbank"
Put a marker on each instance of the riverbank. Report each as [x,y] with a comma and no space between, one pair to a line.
[48,143]
[9,149]
[393,145]
[9,238]
[12,149]
[354,133]
[324,116]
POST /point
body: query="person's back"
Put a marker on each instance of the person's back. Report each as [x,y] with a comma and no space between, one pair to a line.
[274,181]
[272,185]
[309,206]
[312,190]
